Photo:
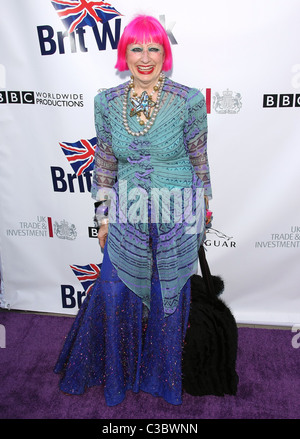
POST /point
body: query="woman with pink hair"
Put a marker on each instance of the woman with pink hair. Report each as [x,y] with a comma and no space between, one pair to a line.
[151,179]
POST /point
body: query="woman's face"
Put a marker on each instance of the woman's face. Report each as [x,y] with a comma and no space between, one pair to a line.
[145,61]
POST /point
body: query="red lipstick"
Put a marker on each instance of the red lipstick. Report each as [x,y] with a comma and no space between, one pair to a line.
[145,70]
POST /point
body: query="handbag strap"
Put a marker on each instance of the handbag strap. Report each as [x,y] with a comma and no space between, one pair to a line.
[207,277]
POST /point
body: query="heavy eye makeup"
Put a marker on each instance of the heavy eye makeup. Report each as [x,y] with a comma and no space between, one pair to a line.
[140,49]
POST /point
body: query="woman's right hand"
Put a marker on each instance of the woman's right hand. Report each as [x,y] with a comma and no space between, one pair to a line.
[102,234]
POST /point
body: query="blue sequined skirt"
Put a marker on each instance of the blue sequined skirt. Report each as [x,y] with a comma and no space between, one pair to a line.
[115,341]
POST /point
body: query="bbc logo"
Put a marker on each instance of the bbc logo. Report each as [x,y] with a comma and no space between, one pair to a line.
[281,100]
[17,97]
[93,232]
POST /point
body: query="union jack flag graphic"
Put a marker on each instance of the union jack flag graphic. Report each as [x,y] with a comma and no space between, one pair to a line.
[86,274]
[79,13]
[80,154]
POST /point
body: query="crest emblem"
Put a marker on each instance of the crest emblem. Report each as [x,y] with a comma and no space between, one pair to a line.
[64,230]
[228,103]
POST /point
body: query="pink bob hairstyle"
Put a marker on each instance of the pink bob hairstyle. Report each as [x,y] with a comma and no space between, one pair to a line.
[143,29]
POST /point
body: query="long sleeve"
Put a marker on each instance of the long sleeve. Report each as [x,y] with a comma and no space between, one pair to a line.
[105,163]
[196,137]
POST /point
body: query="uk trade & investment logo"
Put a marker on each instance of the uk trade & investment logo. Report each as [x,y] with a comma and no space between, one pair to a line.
[228,102]
[44,226]
[286,239]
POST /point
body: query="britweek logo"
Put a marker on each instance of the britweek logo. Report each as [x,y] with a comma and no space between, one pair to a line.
[66,182]
[78,14]
[87,275]
[75,15]
[63,41]
[80,156]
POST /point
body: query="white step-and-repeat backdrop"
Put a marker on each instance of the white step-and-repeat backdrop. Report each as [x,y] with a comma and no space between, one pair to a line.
[244,56]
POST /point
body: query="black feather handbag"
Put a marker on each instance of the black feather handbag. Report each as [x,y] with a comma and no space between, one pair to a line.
[211,342]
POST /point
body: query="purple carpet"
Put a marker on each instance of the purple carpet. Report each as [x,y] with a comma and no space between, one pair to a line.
[268,367]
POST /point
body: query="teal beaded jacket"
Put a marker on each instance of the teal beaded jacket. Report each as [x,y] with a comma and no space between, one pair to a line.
[161,177]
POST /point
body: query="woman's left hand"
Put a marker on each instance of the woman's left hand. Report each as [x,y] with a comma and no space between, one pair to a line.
[102,235]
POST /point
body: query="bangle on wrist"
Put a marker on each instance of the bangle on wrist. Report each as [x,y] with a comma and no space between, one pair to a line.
[101,212]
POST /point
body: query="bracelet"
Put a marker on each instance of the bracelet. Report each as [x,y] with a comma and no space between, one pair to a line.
[104,221]
[209,217]
[101,212]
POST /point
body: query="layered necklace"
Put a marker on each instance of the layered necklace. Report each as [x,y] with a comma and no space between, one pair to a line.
[142,104]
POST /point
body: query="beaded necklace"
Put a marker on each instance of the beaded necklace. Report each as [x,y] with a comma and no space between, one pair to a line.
[142,104]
